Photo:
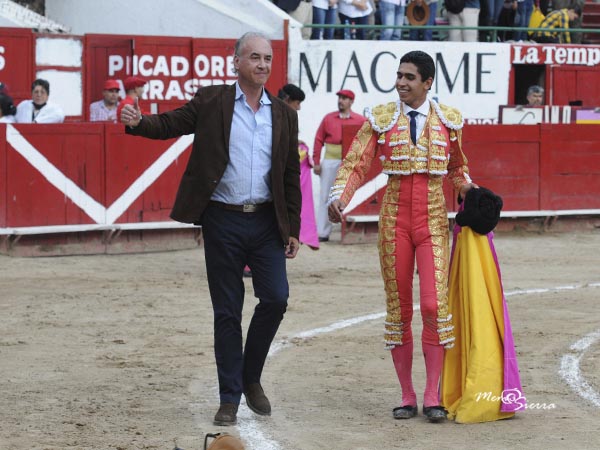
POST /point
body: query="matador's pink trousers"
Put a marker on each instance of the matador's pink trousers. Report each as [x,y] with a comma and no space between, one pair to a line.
[414,225]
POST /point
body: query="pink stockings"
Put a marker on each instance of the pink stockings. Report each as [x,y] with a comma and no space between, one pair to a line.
[402,356]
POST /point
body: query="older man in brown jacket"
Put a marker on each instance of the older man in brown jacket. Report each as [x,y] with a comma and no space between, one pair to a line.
[242,184]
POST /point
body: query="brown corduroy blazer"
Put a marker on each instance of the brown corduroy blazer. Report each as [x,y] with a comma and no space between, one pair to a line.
[208,116]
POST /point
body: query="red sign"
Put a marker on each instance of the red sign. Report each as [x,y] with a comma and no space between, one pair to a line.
[580,55]
[174,67]
[16,62]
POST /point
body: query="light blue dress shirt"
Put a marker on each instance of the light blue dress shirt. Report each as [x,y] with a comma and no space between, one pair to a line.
[247,179]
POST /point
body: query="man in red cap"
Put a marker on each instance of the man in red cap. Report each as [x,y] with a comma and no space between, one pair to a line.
[105,110]
[134,88]
[326,166]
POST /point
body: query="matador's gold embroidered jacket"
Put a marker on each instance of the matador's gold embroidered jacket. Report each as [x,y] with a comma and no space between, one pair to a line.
[386,134]
[437,153]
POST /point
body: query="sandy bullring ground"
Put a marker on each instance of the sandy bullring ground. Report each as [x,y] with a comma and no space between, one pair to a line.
[115,352]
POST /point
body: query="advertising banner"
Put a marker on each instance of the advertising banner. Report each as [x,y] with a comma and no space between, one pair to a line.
[469,76]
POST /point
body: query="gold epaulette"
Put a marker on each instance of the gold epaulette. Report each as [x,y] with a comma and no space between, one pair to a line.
[451,117]
[383,117]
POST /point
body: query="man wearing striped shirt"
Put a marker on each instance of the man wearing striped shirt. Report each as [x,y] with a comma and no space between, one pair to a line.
[105,110]
[557,19]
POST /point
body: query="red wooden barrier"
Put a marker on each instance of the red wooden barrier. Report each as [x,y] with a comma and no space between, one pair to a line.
[127,159]
[76,151]
[570,167]
[539,170]
[506,159]
[94,177]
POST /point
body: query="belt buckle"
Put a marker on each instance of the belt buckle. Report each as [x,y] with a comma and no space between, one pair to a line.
[249,208]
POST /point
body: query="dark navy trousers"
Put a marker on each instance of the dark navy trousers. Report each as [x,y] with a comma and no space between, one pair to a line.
[233,240]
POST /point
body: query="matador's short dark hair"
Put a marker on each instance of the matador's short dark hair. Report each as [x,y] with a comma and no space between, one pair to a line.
[424,63]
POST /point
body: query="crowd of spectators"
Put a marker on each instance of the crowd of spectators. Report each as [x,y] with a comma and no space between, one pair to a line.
[41,110]
[428,14]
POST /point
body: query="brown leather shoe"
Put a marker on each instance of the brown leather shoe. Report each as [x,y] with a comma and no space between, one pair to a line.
[226,415]
[256,399]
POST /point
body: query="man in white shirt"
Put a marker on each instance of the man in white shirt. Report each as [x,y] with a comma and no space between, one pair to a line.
[39,109]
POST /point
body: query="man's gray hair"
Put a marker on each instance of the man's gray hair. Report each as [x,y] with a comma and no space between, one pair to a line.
[535,89]
[249,35]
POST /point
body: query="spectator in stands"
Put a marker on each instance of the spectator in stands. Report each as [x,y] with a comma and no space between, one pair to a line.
[535,95]
[39,109]
[355,12]
[557,19]
[105,110]
[324,13]
[329,134]
[524,10]
[507,19]
[468,17]
[493,10]
[560,4]
[3,88]
[134,89]
[423,34]
[392,13]
[7,109]
[301,10]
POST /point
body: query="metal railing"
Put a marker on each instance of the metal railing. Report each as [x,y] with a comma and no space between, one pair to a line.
[493,30]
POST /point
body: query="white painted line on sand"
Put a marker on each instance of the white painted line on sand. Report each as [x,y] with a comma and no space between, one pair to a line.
[249,426]
[571,373]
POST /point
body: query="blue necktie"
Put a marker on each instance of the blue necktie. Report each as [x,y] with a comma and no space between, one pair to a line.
[413,126]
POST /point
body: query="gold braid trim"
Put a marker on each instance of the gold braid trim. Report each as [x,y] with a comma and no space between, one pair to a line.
[383,118]
[438,227]
[355,165]
[451,117]
[387,257]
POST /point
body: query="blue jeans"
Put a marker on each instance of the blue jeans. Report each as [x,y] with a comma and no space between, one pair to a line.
[425,35]
[494,10]
[391,15]
[323,16]
[524,10]
[360,32]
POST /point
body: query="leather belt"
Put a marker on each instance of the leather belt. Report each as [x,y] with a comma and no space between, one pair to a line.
[249,208]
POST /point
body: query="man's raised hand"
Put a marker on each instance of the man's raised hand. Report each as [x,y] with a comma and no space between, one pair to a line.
[131,115]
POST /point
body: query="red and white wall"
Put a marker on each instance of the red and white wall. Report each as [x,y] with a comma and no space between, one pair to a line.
[86,175]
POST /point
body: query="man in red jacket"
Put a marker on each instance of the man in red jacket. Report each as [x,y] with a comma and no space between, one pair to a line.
[329,135]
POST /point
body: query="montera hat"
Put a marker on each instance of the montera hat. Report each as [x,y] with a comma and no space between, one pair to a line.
[417,14]
[481,210]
